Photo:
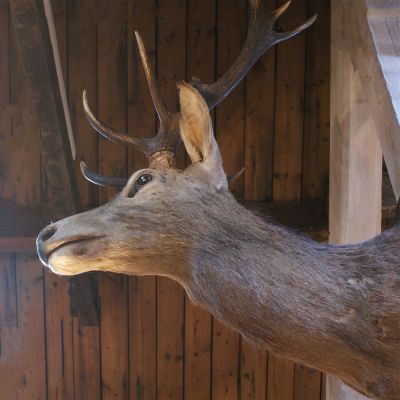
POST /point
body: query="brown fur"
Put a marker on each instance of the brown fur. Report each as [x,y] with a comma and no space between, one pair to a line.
[334,308]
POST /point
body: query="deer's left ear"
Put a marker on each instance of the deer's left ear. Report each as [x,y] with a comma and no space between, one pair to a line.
[197,134]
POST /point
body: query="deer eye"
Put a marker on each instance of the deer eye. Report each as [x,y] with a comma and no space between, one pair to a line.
[140,182]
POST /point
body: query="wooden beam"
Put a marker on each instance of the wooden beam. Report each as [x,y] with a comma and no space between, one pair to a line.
[355,157]
[371,35]
[19,221]
[54,45]
[34,41]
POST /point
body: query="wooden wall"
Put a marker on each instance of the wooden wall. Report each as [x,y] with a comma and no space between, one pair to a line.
[117,337]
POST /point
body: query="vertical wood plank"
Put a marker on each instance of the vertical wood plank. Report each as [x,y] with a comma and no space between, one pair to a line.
[289,107]
[59,337]
[201,18]
[259,135]
[75,34]
[229,129]
[142,338]
[315,168]
[307,383]
[355,160]
[141,122]
[112,161]
[8,291]
[260,115]
[289,113]
[280,378]
[355,156]
[59,334]
[82,75]
[22,357]
[5,94]
[171,65]
[316,119]
[253,380]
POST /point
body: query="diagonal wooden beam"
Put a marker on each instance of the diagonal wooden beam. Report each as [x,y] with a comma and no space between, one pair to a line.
[33,37]
[371,35]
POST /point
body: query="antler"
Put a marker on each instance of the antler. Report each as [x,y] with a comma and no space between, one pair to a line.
[260,37]
[100,180]
[161,149]
[167,139]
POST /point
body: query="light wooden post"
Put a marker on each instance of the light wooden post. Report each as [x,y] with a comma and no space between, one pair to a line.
[355,163]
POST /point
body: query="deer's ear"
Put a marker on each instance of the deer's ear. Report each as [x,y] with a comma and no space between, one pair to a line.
[197,134]
[195,123]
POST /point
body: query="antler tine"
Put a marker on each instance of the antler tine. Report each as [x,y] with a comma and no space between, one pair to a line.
[280,10]
[280,36]
[100,180]
[162,112]
[111,134]
[260,37]
[165,143]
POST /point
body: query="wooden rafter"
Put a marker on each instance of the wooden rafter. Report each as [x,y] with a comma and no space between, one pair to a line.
[33,36]
[371,35]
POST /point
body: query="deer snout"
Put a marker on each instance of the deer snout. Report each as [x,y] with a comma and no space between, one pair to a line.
[42,246]
[74,237]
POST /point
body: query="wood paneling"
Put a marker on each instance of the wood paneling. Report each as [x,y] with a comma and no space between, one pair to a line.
[142,338]
[77,27]
[23,356]
[201,44]
[113,288]
[171,67]
[229,132]
[142,290]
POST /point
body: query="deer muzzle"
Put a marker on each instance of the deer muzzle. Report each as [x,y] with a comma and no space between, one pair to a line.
[54,241]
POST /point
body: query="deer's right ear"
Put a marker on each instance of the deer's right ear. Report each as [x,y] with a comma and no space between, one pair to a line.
[195,123]
[197,133]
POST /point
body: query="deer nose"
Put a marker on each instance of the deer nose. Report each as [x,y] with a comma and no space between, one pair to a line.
[44,235]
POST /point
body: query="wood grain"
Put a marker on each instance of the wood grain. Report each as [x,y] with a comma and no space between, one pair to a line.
[288,140]
[355,161]
[152,342]
[201,44]
[253,370]
[258,176]
[82,75]
[315,162]
[372,33]
[315,169]
[260,119]
[77,53]
[22,358]
[289,103]
[113,288]
[171,67]
[280,378]
[141,122]
[229,129]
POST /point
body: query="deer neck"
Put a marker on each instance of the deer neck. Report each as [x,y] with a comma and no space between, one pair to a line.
[283,291]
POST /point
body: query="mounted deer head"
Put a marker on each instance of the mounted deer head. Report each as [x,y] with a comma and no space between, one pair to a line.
[335,308]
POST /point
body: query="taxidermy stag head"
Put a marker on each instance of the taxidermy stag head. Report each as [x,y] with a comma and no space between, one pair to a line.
[334,308]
